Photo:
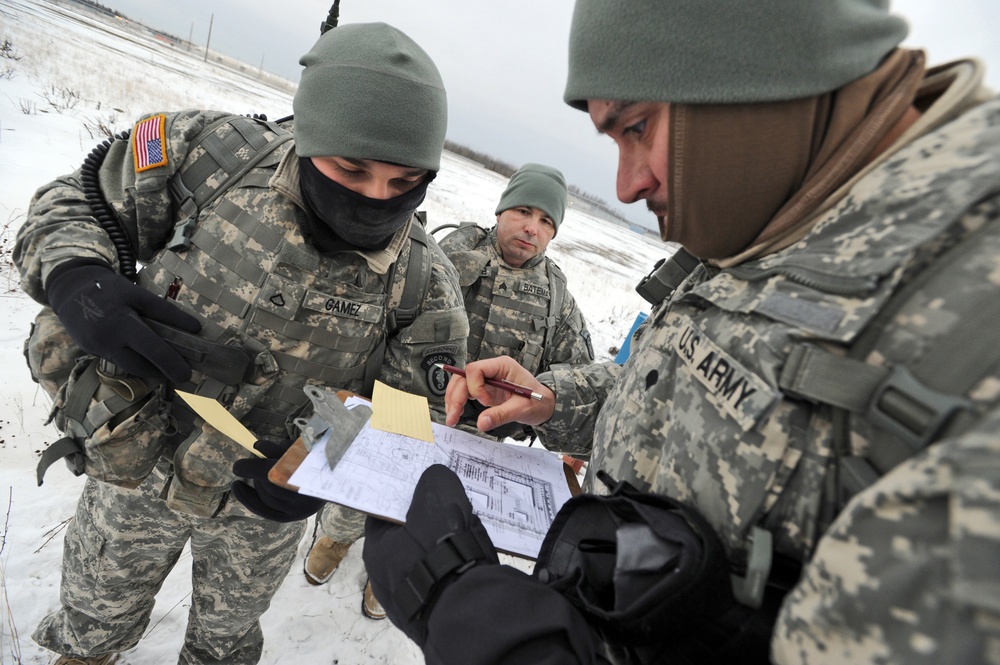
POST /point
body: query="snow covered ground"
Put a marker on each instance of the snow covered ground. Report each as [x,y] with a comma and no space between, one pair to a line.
[64,79]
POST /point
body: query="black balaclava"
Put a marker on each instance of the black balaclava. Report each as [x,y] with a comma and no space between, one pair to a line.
[353,218]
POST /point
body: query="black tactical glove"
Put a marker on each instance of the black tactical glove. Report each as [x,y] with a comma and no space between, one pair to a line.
[410,564]
[101,311]
[264,498]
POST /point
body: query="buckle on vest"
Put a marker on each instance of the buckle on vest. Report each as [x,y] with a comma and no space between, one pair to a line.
[181,239]
[749,589]
[910,410]
[400,318]
[652,292]
[666,276]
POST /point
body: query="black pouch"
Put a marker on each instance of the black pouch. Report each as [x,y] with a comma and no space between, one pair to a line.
[644,569]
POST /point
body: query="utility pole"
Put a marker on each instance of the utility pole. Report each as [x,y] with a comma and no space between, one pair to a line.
[190,34]
[209,41]
[260,70]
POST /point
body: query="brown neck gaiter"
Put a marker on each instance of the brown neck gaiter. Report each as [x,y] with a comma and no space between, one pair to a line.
[743,173]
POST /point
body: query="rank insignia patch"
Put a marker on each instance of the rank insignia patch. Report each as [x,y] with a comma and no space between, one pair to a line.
[149,144]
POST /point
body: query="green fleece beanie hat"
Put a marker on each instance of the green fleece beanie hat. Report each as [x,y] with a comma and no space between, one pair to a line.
[536,186]
[724,51]
[370,92]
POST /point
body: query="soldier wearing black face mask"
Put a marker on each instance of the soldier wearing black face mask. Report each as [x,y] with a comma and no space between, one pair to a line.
[339,217]
[304,256]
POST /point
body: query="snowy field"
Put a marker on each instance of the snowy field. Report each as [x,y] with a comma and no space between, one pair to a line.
[65,79]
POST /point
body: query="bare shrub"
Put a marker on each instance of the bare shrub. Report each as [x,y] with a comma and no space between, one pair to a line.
[61,99]
[7,51]
[102,128]
[8,273]
[8,55]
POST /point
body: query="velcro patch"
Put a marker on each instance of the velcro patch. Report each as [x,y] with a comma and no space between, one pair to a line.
[741,393]
[149,143]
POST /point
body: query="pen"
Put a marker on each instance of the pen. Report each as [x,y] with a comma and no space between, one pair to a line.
[503,384]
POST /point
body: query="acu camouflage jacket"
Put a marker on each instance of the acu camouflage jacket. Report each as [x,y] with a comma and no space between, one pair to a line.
[908,571]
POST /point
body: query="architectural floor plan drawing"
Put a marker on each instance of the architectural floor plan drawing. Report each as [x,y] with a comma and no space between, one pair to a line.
[515,490]
[514,502]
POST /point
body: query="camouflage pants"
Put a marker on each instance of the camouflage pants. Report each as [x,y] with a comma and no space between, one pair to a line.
[122,544]
[342,524]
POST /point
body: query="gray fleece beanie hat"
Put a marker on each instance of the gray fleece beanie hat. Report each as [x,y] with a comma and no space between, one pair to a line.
[536,186]
[370,92]
[724,51]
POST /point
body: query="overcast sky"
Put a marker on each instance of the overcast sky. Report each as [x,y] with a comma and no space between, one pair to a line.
[504,63]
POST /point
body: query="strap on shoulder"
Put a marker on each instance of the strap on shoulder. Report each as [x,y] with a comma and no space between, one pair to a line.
[557,294]
[416,283]
[911,405]
[223,161]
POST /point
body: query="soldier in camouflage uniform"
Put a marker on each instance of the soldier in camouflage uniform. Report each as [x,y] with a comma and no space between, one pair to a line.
[295,260]
[839,208]
[518,305]
[515,296]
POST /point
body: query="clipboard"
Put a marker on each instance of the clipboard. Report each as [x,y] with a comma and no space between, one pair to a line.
[283,470]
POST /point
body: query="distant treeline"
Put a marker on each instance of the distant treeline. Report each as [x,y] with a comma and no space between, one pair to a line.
[101,8]
[492,163]
[506,169]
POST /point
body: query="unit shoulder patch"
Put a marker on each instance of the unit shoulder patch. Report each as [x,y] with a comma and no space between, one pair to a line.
[437,378]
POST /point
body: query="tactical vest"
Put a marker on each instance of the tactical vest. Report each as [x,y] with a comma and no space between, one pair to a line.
[325,319]
[307,319]
[512,312]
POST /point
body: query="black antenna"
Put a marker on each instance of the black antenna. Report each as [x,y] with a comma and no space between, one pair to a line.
[331,19]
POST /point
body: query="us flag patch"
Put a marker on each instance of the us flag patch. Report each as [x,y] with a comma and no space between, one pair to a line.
[149,144]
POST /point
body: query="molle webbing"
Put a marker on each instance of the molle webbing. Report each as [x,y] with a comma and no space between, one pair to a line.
[227,155]
[83,421]
[285,398]
[538,324]
[200,284]
[539,313]
[311,334]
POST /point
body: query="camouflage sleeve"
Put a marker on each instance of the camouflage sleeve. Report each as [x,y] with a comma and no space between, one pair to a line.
[572,345]
[467,236]
[908,572]
[580,392]
[438,335]
[61,225]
